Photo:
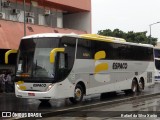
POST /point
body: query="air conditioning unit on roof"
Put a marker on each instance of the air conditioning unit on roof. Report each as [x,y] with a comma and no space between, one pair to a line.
[6,4]
[30,20]
[29,14]
[2,15]
[15,11]
[47,12]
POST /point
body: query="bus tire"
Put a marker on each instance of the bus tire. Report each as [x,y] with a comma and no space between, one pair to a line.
[141,86]
[78,94]
[44,100]
[134,86]
[127,92]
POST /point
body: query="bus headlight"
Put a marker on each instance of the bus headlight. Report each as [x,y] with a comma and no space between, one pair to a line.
[17,86]
[49,87]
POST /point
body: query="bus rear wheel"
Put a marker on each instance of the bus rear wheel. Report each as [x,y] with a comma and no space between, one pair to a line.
[134,88]
[78,94]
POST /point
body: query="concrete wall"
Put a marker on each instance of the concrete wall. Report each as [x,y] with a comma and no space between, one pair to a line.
[11,32]
[80,4]
[79,21]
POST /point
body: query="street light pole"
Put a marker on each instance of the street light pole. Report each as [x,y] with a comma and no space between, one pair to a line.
[150,30]
[24,8]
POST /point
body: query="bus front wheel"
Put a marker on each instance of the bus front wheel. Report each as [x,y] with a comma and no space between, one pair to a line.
[44,100]
[141,86]
[78,94]
[134,87]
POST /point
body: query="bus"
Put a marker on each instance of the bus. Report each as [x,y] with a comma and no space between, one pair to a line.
[157,63]
[54,66]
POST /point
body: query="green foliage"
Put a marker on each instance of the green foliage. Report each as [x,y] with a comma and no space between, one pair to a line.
[130,36]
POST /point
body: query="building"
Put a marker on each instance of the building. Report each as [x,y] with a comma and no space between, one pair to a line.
[40,16]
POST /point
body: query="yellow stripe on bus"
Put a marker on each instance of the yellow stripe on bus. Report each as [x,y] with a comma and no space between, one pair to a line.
[101,67]
[100,55]
[20,82]
[22,87]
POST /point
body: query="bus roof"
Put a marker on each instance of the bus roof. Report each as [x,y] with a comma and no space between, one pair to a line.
[102,38]
[89,37]
[50,35]
[112,39]
[156,48]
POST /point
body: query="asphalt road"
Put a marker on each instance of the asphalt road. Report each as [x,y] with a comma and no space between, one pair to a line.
[12,104]
[141,108]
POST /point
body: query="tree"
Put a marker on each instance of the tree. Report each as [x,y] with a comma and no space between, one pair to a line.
[130,36]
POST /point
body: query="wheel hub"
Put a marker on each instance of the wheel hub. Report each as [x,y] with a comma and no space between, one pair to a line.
[140,85]
[78,93]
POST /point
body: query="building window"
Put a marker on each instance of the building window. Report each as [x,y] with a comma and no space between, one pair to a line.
[59,19]
[41,19]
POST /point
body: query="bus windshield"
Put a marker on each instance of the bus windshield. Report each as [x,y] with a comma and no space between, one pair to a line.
[157,53]
[157,58]
[33,57]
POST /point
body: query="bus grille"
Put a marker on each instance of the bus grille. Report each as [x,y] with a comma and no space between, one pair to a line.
[149,77]
[34,90]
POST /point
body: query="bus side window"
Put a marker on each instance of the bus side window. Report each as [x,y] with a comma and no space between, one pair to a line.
[84,49]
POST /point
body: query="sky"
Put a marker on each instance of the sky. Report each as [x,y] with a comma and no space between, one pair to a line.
[126,15]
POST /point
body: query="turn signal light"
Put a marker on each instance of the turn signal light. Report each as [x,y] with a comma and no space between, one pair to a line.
[24,75]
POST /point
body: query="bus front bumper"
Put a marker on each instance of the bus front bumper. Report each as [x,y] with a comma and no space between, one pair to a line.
[157,78]
[34,94]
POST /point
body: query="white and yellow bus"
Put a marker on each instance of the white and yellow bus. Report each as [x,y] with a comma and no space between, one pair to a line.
[53,66]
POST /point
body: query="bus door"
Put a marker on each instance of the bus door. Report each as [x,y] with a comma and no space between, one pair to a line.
[65,60]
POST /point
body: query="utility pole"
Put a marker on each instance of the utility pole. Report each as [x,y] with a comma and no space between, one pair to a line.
[150,31]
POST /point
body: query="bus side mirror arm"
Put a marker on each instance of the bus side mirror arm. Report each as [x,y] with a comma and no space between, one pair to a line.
[53,52]
[7,54]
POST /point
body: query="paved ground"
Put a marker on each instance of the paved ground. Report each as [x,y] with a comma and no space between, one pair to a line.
[137,109]
[8,101]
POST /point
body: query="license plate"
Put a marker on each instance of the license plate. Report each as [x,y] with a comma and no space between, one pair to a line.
[31,94]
